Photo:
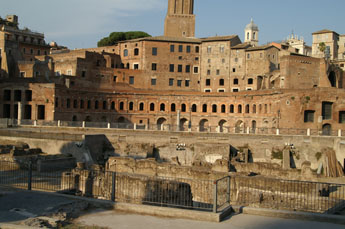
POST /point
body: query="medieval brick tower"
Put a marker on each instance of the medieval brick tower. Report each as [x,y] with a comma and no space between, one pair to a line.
[180,20]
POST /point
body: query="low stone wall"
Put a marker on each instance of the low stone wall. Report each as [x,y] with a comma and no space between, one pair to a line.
[56,164]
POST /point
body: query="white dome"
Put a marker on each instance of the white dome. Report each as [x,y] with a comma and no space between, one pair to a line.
[252,26]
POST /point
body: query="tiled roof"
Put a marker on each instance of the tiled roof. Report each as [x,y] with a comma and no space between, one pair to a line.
[324,31]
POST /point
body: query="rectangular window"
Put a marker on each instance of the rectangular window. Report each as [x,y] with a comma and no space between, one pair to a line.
[208,72]
[22,74]
[28,95]
[154,66]
[171,82]
[188,49]
[114,78]
[208,82]
[83,73]
[58,73]
[179,69]
[327,110]
[180,48]
[187,68]
[197,49]
[209,61]
[248,56]
[172,48]
[218,72]
[234,70]
[153,81]
[341,116]
[209,49]
[309,116]
[69,72]
[179,83]
[7,95]
[187,83]
[196,70]
[154,51]
[136,66]
[131,80]
[171,68]
[222,48]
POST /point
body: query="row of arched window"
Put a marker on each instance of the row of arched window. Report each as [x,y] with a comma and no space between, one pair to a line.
[105,105]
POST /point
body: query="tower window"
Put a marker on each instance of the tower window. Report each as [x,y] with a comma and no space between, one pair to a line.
[172,48]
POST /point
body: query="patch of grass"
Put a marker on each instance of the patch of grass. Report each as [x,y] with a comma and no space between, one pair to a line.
[277,154]
[318,155]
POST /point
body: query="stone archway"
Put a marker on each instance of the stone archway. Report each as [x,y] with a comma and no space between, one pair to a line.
[327,129]
[239,127]
[221,126]
[203,125]
[121,120]
[160,123]
[183,124]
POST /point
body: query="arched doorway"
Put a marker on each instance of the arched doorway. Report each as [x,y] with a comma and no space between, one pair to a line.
[160,123]
[221,126]
[332,79]
[239,127]
[253,127]
[121,120]
[183,124]
[203,125]
[327,129]
[74,118]
[88,119]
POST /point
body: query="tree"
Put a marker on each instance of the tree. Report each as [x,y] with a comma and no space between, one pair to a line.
[115,37]
[322,47]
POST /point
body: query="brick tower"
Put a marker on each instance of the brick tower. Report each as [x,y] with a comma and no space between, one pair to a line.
[180,20]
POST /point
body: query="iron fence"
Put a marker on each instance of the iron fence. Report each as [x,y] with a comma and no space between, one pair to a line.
[287,194]
[205,195]
[119,187]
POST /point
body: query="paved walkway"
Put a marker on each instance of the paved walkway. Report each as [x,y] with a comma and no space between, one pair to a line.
[118,220]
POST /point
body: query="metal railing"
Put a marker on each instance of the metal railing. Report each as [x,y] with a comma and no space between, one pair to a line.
[175,128]
[303,196]
[120,187]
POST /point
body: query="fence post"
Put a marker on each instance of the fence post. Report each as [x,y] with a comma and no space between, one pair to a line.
[277,132]
[59,123]
[108,125]
[135,126]
[83,125]
[35,123]
[113,185]
[228,190]
[215,197]
[339,133]
[30,176]
[308,132]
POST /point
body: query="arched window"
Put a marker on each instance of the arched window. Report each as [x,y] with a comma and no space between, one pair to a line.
[81,104]
[232,108]
[235,81]
[121,106]
[194,108]
[136,52]
[250,81]
[152,107]
[183,107]
[131,105]
[214,108]
[248,36]
[141,106]
[260,108]
[221,82]
[96,104]
[105,104]
[239,109]
[254,109]
[223,108]
[113,105]
[254,36]
[265,108]
[173,107]
[68,103]
[247,108]
[125,52]
[204,108]
[162,107]
[89,104]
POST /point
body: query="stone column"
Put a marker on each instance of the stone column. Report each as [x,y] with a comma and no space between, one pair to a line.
[178,120]
[246,155]
[20,112]
[286,159]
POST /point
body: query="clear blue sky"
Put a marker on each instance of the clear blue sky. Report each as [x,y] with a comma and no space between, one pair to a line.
[81,23]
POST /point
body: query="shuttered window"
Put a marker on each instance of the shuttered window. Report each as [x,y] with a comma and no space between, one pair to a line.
[327,110]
